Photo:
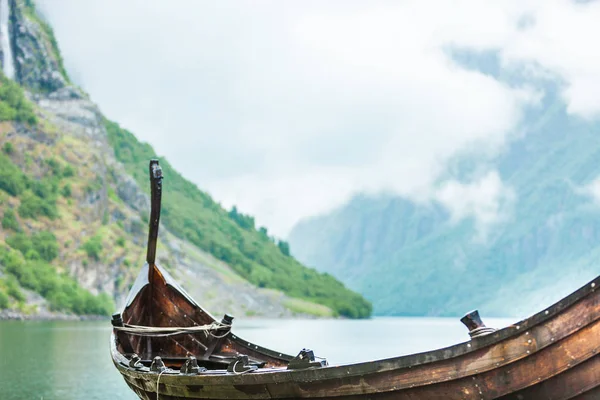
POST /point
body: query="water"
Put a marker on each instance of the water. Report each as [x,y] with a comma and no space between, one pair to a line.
[71,360]
[7,62]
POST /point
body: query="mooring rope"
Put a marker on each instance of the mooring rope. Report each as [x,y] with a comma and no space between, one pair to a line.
[160,331]
[157,382]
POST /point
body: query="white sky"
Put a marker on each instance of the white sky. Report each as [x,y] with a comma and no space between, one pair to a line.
[287,108]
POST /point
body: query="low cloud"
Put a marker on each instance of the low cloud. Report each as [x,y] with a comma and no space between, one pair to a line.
[591,190]
[286,109]
[487,200]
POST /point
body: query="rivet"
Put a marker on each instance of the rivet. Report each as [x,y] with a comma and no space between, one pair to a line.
[518,327]
[546,312]
[552,339]
[528,352]
[593,284]
[469,345]
[527,333]
[529,341]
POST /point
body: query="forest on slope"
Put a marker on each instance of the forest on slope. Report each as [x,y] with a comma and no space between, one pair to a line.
[232,236]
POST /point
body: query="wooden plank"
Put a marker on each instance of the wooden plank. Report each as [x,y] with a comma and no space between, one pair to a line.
[571,384]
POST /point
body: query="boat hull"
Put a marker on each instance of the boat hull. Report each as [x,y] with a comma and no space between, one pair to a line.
[552,355]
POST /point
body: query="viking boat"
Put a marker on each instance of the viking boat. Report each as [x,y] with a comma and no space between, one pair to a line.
[167,347]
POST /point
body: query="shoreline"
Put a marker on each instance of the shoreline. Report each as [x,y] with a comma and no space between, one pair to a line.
[11,315]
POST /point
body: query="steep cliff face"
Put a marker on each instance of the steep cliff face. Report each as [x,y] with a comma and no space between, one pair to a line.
[38,64]
[73,219]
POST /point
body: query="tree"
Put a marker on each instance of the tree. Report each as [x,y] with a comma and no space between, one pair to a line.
[284,247]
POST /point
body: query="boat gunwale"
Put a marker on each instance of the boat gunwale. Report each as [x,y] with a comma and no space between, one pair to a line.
[398,362]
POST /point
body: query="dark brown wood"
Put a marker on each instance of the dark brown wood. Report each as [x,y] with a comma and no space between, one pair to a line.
[155,200]
[580,380]
[551,355]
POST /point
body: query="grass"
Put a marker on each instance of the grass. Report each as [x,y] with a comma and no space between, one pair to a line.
[306,307]
[37,233]
[13,104]
[62,292]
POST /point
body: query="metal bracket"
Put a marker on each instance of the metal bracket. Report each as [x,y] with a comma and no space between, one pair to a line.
[241,365]
[306,359]
[136,362]
[157,365]
[191,366]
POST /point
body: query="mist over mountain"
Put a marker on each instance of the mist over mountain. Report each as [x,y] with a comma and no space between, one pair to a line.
[532,236]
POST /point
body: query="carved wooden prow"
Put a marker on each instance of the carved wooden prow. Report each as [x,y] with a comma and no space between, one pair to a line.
[476,327]
[155,198]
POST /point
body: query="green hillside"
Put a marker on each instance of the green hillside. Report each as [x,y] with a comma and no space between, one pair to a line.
[231,236]
[74,221]
[34,188]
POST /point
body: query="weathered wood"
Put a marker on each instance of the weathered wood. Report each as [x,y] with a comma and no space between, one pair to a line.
[580,380]
[551,355]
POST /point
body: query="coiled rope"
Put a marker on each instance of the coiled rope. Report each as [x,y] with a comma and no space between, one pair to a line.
[161,331]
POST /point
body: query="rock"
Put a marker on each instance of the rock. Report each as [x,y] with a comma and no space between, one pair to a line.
[117,215]
[66,93]
[129,191]
[36,65]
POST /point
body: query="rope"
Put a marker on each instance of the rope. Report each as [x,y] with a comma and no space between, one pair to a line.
[158,381]
[239,373]
[481,331]
[159,331]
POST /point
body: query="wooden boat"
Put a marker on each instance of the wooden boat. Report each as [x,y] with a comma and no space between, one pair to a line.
[167,347]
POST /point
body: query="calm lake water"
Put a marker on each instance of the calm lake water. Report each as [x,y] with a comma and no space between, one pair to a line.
[70,360]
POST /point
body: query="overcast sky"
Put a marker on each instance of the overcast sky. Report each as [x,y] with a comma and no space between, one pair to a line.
[287,108]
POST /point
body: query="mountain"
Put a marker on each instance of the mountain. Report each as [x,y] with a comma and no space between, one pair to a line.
[74,207]
[412,258]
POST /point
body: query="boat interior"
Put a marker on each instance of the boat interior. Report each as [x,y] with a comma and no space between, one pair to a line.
[203,341]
